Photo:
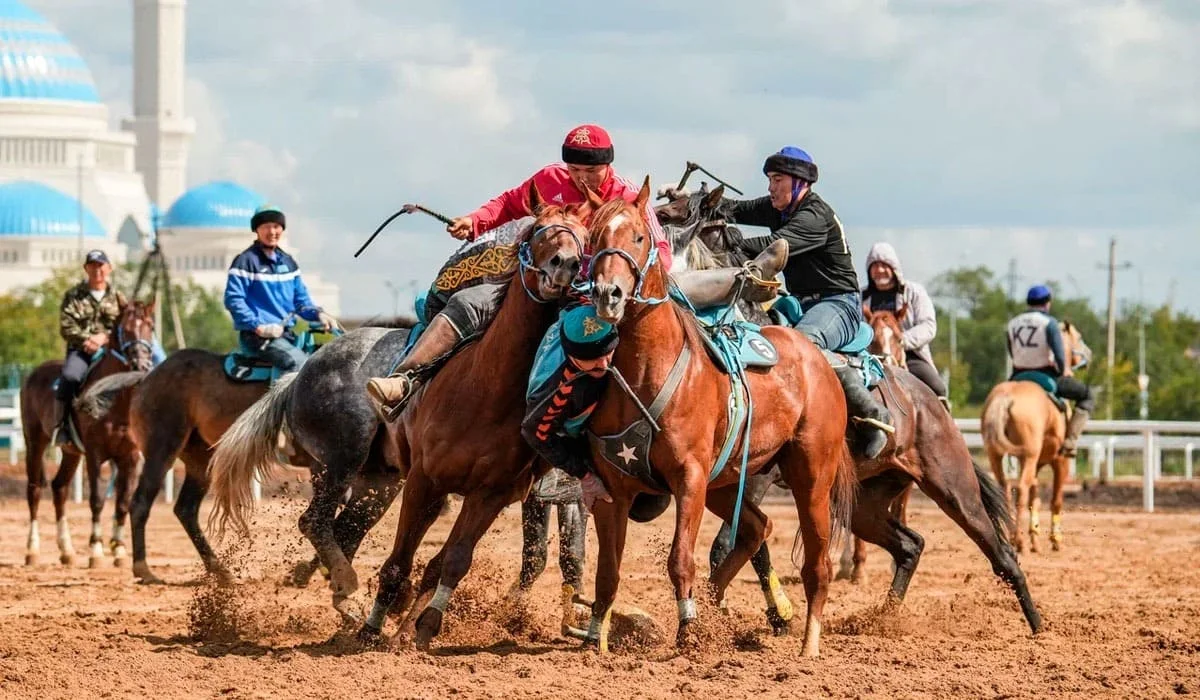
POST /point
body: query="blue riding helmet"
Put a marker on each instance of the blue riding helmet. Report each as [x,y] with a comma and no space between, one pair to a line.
[1038,294]
[793,161]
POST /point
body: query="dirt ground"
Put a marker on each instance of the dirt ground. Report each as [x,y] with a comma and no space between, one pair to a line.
[1122,602]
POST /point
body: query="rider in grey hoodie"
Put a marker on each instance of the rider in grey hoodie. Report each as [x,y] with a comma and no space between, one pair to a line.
[888,290]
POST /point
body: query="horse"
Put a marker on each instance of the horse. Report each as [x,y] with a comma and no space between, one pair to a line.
[801,425]
[129,348]
[179,411]
[929,451]
[1021,419]
[886,333]
[325,410]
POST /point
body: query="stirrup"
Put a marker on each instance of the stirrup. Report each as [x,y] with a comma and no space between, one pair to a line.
[890,429]
[751,275]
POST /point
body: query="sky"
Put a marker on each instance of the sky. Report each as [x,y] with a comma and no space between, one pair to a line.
[964,132]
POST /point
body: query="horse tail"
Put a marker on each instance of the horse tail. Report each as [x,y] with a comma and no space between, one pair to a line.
[995,421]
[992,496]
[247,451]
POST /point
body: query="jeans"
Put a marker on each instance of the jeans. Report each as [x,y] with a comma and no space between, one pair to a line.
[74,368]
[831,321]
[278,351]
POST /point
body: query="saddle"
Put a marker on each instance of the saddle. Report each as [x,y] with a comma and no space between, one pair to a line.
[245,366]
[1046,382]
[787,312]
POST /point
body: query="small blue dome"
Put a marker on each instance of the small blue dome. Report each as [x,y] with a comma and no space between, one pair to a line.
[32,209]
[220,204]
[37,62]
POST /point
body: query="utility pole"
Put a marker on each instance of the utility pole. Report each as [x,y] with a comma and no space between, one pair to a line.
[1012,278]
[1112,324]
[1143,379]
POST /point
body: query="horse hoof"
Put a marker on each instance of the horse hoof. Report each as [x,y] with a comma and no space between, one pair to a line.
[121,562]
[369,637]
[66,559]
[429,624]
[343,581]
[95,562]
[302,573]
[779,625]
[143,575]
[687,638]
[843,574]
[31,560]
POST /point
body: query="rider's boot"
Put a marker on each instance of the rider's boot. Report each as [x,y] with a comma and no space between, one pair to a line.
[1074,430]
[873,422]
[62,413]
[393,391]
[709,288]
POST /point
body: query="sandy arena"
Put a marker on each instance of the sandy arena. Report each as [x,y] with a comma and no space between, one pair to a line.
[1122,603]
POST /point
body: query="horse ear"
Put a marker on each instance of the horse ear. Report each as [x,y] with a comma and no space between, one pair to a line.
[713,199]
[593,199]
[535,199]
[643,195]
[902,312]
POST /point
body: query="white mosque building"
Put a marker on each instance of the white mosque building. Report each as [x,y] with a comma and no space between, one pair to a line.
[69,182]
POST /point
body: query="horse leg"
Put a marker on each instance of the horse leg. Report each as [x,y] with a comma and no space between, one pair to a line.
[420,505]
[126,467]
[187,506]
[479,511]
[96,503]
[58,488]
[165,441]
[681,562]
[996,459]
[812,487]
[1026,486]
[1060,465]
[874,522]
[316,523]
[1035,515]
[612,522]
[35,476]
[572,550]
[753,530]
[978,506]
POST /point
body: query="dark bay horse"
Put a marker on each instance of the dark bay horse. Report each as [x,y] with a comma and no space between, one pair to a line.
[799,422]
[104,439]
[179,411]
[929,451]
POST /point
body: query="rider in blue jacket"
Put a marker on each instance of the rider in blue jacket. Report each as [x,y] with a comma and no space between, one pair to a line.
[264,293]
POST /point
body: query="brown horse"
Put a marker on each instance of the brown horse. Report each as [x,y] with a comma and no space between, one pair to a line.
[927,450]
[129,348]
[799,421]
[1019,418]
[461,432]
[885,344]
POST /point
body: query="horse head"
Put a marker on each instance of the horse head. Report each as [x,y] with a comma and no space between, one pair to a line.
[1078,354]
[134,338]
[699,233]
[625,259]
[552,250]
[888,334]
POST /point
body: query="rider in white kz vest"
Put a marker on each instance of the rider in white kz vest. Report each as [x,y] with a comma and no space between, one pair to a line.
[1035,344]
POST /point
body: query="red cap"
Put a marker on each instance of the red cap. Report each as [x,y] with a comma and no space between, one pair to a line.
[587,144]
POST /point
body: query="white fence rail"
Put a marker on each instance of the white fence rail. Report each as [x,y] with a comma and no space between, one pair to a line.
[1103,438]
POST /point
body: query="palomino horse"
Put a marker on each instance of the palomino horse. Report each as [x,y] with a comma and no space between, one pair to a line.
[886,344]
[799,421]
[179,411]
[129,348]
[927,450]
[1019,418]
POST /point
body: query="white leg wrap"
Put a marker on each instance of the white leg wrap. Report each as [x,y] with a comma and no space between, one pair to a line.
[687,609]
[118,531]
[33,545]
[97,531]
[378,614]
[441,598]
[64,536]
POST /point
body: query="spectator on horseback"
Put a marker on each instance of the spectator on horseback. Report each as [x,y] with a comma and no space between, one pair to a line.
[819,272]
[1035,344]
[888,290]
[264,293]
[87,316]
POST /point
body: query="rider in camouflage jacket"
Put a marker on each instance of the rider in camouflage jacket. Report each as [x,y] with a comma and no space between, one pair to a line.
[81,316]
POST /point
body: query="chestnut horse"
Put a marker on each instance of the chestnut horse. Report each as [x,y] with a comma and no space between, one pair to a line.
[1019,418]
[798,419]
[885,344]
[104,439]
[927,450]
[461,433]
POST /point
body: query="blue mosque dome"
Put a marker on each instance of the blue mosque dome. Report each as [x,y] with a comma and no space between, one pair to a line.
[30,208]
[218,204]
[37,62]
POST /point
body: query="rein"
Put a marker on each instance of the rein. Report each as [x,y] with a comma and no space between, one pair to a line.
[639,274]
[525,256]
